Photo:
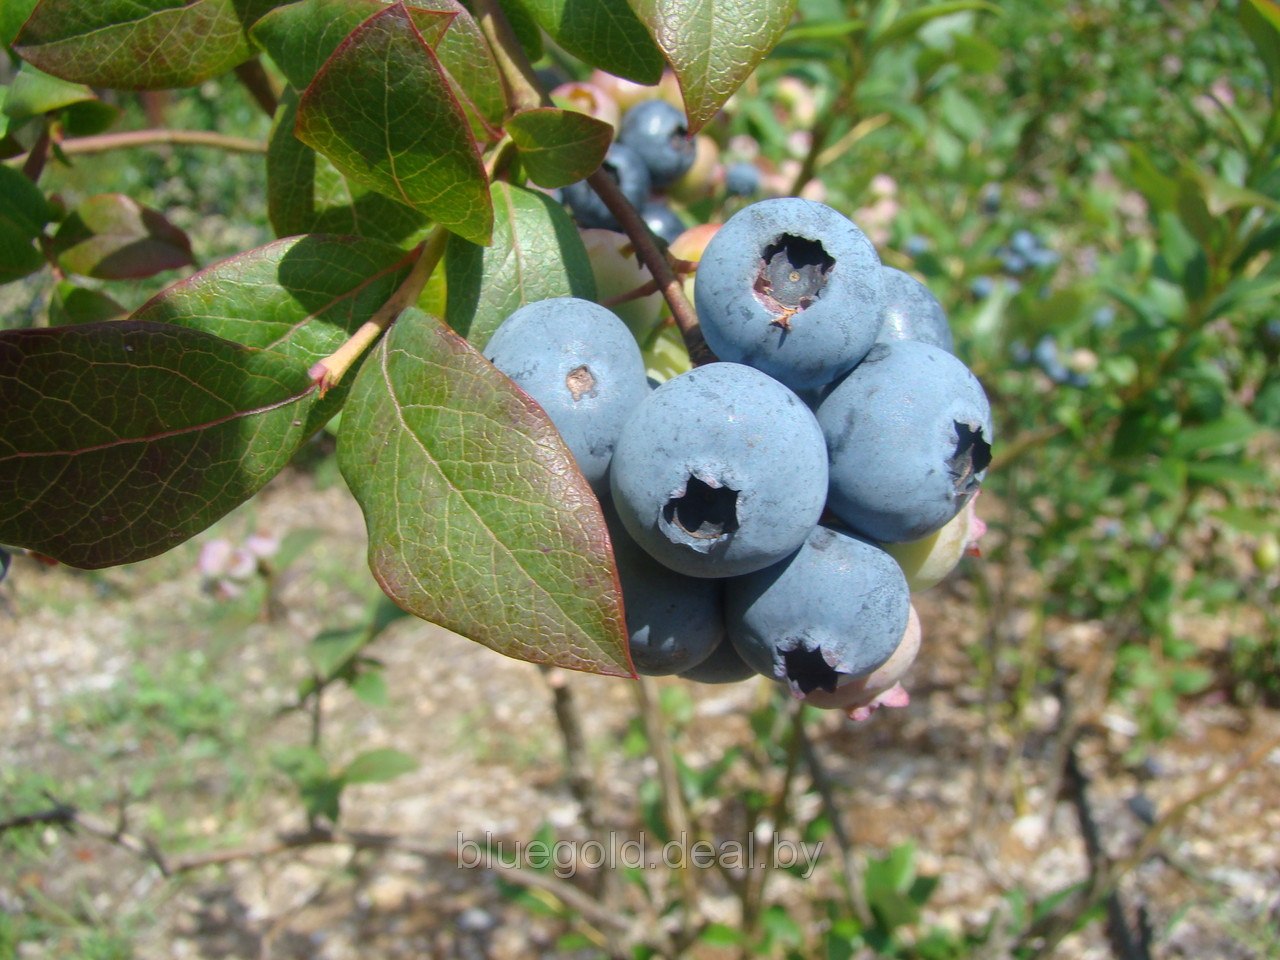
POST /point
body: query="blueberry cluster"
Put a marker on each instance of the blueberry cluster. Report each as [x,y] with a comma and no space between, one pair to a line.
[1024,255]
[652,150]
[772,512]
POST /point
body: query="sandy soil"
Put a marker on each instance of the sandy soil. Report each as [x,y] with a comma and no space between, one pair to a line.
[491,762]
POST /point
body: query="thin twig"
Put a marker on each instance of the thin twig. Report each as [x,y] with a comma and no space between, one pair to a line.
[674,807]
[633,226]
[72,818]
[156,137]
[1118,932]
[1044,937]
[849,858]
[328,372]
[254,78]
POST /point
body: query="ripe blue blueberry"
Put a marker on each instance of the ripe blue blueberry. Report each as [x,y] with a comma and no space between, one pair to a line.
[674,622]
[720,471]
[909,437]
[912,312]
[1045,355]
[658,132]
[725,665]
[631,175]
[793,288]
[579,362]
[1023,242]
[663,221]
[741,179]
[833,611]
[1011,261]
[917,245]
[1043,258]
[982,287]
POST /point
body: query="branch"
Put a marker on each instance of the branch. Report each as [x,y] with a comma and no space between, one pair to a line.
[258,82]
[72,818]
[1061,922]
[328,372]
[653,258]
[524,93]
[1118,932]
[105,142]
[822,783]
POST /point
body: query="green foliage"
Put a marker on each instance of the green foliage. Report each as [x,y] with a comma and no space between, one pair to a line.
[391,123]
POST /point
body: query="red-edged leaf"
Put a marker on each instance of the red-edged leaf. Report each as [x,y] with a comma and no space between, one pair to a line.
[559,147]
[713,45]
[113,237]
[139,44]
[478,517]
[381,109]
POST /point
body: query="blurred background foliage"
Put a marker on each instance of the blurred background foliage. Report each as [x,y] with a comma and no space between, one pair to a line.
[1092,189]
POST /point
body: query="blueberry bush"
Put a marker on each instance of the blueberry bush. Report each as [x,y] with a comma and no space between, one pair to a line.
[499,252]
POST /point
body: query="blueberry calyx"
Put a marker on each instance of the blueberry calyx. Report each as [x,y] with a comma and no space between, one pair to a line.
[972,456]
[580,382]
[705,512]
[793,272]
[806,670]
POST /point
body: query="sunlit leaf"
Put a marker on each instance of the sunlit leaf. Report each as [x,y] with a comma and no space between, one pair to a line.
[113,237]
[536,253]
[307,194]
[378,766]
[123,439]
[604,33]
[381,110]
[713,45]
[139,44]
[559,147]
[478,517]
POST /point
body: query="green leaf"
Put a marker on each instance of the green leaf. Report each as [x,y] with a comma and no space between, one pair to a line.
[22,204]
[13,14]
[830,30]
[1218,471]
[299,37]
[370,687]
[713,45]
[1232,430]
[469,67]
[559,147]
[122,439]
[1160,189]
[378,766]
[33,92]
[18,256]
[331,650]
[536,253]
[602,33]
[126,438]
[300,297]
[113,237]
[139,44]
[381,110]
[307,194]
[478,518]
[300,764]
[88,117]
[72,304]
[908,24]
[1261,21]
[1253,520]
